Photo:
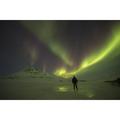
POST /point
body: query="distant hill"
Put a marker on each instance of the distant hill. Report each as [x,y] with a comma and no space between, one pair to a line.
[29,72]
[32,70]
[114,82]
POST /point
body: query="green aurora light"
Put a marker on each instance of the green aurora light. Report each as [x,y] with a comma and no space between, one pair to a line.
[47,33]
[108,49]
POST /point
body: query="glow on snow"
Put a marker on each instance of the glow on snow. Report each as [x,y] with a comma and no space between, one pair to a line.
[62,89]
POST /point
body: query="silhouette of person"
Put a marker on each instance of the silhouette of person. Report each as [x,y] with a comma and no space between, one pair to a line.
[75,82]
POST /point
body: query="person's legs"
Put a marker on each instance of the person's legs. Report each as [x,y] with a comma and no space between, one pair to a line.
[73,86]
[76,87]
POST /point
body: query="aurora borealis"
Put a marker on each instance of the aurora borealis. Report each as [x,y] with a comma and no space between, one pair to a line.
[46,32]
[108,49]
[62,48]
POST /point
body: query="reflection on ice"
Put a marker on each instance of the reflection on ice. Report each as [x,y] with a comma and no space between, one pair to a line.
[62,89]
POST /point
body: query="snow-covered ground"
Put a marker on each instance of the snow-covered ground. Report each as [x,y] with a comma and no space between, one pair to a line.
[53,88]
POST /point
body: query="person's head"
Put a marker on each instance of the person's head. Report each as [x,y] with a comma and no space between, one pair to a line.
[74,76]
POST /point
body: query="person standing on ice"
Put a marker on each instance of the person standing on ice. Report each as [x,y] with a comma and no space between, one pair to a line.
[75,82]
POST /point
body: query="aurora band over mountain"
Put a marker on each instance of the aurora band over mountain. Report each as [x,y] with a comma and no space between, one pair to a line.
[110,48]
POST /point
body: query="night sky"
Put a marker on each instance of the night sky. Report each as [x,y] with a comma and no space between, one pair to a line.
[55,45]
